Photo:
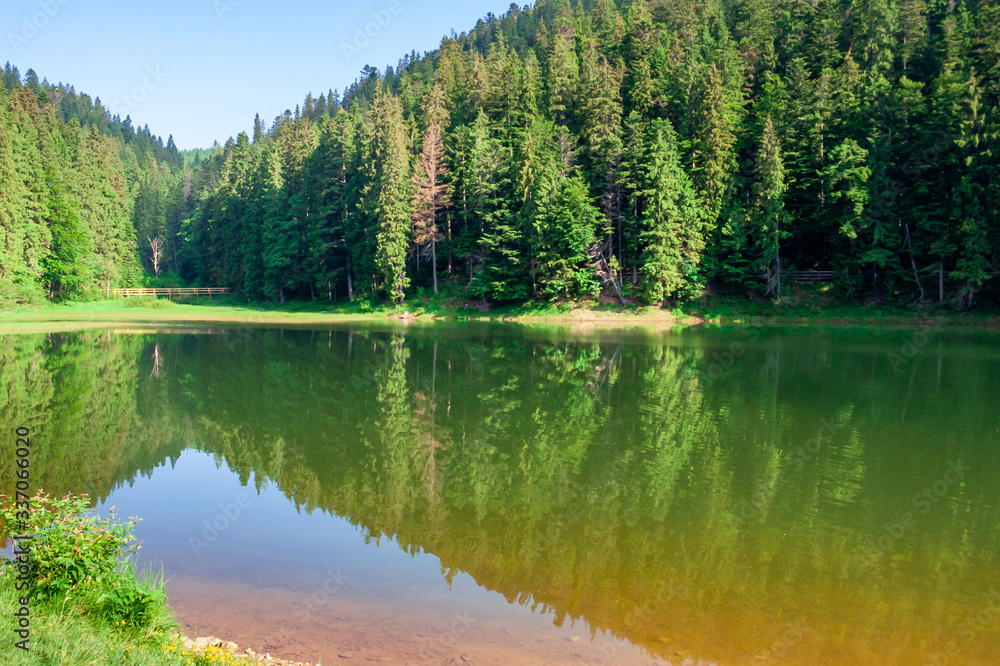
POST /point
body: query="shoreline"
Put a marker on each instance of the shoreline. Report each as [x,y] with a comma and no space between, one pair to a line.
[212,647]
[102,314]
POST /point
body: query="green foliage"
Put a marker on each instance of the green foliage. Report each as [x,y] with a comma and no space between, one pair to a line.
[671,236]
[71,547]
[564,232]
[153,302]
[14,294]
[128,600]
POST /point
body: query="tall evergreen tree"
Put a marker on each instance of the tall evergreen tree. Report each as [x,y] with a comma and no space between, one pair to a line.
[672,219]
[388,164]
[770,217]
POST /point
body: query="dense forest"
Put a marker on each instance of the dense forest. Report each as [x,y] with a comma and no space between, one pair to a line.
[642,151]
[77,187]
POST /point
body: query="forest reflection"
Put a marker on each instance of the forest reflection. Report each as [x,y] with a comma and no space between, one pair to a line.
[618,481]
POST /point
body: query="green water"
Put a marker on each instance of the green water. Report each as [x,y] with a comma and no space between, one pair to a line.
[734,495]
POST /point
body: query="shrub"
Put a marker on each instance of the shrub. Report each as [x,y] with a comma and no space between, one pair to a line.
[166,279]
[152,302]
[76,554]
[19,294]
[69,544]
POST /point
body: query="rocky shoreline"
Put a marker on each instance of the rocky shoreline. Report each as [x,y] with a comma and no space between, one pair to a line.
[212,646]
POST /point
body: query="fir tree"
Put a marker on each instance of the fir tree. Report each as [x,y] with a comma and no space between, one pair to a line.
[672,219]
[770,217]
[391,194]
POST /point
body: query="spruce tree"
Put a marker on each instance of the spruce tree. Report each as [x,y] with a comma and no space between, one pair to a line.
[672,237]
[712,156]
[391,193]
[770,217]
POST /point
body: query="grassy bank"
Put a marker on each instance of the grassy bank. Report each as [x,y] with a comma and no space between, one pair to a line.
[84,603]
[809,305]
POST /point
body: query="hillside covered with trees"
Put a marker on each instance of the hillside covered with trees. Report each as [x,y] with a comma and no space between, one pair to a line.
[77,188]
[647,151]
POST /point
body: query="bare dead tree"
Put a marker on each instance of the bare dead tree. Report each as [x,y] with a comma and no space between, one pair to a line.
[156,247]
[603,270]
[157,363]
[430,192]
[772,278]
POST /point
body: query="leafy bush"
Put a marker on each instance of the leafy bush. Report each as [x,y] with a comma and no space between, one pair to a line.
[166,280]
[124,599]
[18,294]
[76,554]
[70,545]
[153,302]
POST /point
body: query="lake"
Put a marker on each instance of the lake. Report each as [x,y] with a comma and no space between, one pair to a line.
[489,494]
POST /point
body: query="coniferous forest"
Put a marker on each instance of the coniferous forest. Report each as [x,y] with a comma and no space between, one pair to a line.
[638,151]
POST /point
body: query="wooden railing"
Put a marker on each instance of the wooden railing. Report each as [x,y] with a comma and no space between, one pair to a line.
[168,292]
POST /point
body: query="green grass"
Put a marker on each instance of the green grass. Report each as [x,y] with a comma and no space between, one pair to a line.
[813,304]
[60,634]
[802,305]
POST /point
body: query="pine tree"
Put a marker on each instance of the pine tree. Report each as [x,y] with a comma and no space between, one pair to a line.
[475,157]
[712,156]
[770,217]
[672,219]
[564,227]
[609,27]
[562,72]
[64,272]
[974,212]
[638,45]
[602,130]
[630,179]
[846,176]
[389,163]
[277,253]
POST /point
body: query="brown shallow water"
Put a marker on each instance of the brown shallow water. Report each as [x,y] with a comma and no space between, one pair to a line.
[268,620]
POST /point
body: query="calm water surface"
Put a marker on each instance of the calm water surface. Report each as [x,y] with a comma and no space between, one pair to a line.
[429,494]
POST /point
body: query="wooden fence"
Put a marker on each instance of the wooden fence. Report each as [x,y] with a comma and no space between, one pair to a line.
[178,291]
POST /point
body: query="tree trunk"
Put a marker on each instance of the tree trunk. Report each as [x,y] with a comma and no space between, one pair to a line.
[281,295]
[913,263]
[350,286]
[777,271]
[941,280]
[434,264]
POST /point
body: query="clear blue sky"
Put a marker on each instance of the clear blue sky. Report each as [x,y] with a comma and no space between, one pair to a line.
[201,69]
